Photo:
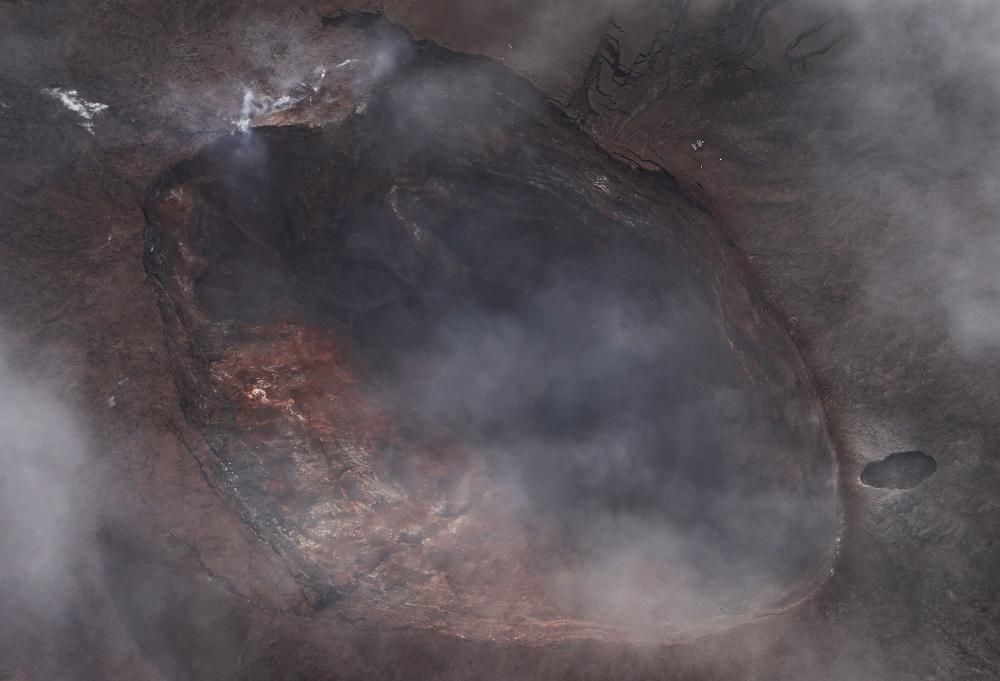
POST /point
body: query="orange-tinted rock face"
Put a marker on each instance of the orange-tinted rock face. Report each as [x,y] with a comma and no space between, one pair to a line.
[464,373]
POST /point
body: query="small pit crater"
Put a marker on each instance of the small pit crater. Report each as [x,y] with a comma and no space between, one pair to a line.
[899,470]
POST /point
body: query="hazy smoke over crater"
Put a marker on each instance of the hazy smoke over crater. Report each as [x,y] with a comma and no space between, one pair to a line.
[610,414]
[591,370]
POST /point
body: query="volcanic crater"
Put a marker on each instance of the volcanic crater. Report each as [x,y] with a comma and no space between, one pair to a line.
[465,372]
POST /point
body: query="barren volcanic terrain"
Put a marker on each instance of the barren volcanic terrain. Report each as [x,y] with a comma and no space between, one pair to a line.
[499,340]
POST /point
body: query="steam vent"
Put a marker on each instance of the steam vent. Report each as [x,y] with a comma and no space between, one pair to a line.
[579,340]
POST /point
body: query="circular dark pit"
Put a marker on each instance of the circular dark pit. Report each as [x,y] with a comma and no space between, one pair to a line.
[465,372]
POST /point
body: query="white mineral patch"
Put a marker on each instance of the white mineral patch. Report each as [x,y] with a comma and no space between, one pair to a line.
[321,72]
[72,100]
[257,104]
